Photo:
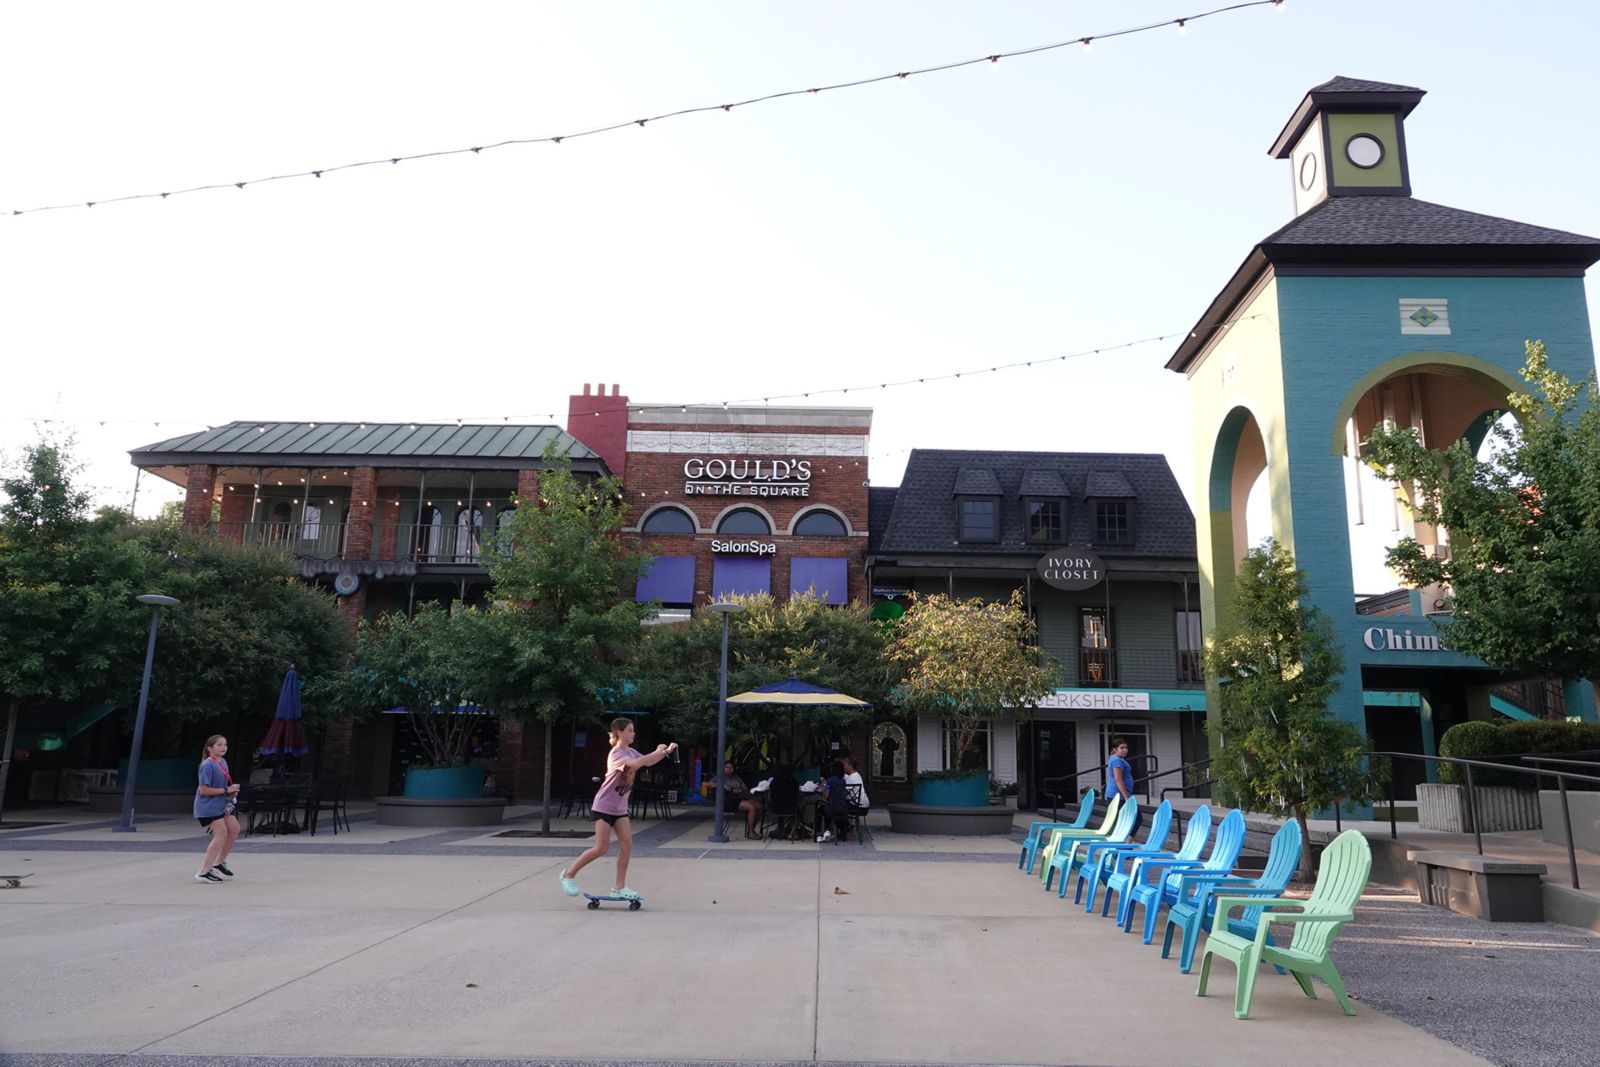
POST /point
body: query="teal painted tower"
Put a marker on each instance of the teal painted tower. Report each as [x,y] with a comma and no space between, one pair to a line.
[1369,305]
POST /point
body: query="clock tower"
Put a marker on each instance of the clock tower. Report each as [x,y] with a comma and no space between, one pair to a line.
[1347,138]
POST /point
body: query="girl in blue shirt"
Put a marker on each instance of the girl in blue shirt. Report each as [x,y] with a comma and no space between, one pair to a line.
[213,807]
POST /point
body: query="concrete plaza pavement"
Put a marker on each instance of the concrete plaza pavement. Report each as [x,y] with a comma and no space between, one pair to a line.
[373,944]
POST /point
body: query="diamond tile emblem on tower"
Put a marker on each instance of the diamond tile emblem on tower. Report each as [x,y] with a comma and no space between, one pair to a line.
[1424,317]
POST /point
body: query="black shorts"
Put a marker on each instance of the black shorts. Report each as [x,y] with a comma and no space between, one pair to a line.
[608,818]
[207,820]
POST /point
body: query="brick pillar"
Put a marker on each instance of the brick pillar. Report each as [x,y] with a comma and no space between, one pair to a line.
[235,511]
[528,485]
[334,759]
[519,764]
[199,491]
[363,505]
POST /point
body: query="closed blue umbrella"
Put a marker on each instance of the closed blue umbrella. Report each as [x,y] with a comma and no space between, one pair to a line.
[287,735]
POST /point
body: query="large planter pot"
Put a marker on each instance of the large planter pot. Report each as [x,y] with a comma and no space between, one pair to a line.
[444,783]
[440,811]
[1584,809]
[944,820]
[969,792]
[1498,807]
[166,773]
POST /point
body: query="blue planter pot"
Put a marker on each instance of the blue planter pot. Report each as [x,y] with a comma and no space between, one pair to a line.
[969,792]
[161,773]
[444,783]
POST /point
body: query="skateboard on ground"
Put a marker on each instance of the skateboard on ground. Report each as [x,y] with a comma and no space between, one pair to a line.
[14,881]
[633,904]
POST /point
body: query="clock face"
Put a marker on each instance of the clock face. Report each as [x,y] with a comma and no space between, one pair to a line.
[1364,151]
[1308,171]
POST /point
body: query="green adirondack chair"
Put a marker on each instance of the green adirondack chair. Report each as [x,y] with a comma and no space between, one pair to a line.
[1048,853]
[1040,832]
[1341,877]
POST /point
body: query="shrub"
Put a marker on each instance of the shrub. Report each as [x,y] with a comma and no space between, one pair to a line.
[1486,740]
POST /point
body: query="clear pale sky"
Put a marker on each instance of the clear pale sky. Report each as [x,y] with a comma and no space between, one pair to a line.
[1046,205]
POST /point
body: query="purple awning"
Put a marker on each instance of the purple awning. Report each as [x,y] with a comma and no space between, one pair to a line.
[670,580]
[828,577]
[732,576]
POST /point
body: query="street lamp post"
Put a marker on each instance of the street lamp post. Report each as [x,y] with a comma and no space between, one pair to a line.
[156,602]
[726,609]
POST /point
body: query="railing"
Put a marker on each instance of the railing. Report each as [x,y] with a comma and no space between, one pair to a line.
[390,540]
[1561,777]
[1055,794]
[1110,668]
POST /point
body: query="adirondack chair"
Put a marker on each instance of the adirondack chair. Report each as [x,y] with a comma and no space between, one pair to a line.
[1341,877]
[1113,809]
[1197,891]
[1066,851]
[1116,870]
[1162,884]
[1039,832]
[1091,853]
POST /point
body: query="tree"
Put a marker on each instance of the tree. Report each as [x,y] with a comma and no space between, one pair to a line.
[1524,526]
[677,668]
[1277,748]
[555,636]
[967,661]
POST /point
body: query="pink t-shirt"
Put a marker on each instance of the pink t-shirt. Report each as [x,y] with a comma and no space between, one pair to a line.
[613,796]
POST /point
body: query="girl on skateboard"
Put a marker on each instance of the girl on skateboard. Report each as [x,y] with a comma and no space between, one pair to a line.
[610,808]
[214,800]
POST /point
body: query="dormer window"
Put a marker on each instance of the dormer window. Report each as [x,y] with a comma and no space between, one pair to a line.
[1045,522]
[1044,504]
[980,518]
[1112,523]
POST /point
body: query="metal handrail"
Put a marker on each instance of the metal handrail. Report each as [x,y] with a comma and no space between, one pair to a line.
[1055,795]
[1561,778]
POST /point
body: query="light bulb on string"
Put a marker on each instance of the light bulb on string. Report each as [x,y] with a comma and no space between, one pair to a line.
[1182,27]
[1088,44]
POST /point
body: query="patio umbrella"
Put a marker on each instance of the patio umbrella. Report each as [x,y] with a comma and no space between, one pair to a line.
[286,737]
[792,694]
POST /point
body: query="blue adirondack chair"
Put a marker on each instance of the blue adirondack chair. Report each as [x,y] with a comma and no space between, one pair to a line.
[1121,830]
[1191,912]
[1093,852]
[1051,841]
[1117,870]
[1039,832]
[1156,881]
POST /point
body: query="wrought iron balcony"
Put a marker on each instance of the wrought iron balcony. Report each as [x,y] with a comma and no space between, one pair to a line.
[327,542]
[1139,668]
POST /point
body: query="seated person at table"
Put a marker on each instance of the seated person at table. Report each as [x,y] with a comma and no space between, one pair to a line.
[852,776]
[736,798]
[833,804]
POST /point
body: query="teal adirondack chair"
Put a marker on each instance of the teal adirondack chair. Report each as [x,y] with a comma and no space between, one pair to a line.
[1341,877]
[1155,882]
[1121,830]
[1091,853]
[1197,891]
[1039,832]
[1113,809]
[1117,869]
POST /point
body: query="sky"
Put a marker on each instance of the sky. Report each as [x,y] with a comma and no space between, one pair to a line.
[1047,205]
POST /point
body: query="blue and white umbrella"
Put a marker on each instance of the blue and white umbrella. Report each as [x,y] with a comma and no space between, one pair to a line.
[287,735]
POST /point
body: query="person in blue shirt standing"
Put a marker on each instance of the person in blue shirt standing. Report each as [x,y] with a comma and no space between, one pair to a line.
[1119,772]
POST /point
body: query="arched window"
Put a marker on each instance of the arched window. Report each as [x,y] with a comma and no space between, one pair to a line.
[669,521]
[819,523]
[745,522]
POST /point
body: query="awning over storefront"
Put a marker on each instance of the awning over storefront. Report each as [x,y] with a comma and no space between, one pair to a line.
[670,580]
[828,578]
[732,576]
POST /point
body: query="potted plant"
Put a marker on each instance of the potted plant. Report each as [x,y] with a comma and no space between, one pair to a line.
[1005,794]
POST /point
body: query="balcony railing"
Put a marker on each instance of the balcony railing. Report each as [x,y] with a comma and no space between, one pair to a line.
[1125,668]
[343,541]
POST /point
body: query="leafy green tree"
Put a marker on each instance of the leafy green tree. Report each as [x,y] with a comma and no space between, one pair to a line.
[423,664]
[677,670]
[563,616]
[967,661]
[1524,527]
[1276,747]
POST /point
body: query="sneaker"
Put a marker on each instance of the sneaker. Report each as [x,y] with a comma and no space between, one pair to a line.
[207,876]
[223,867]
[827,835]
[569,886]
[626,894]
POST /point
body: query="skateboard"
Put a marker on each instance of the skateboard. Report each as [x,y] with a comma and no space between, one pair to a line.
[14,881]
[594,901]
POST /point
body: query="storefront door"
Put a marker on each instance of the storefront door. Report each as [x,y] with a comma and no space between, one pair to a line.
[1054,755]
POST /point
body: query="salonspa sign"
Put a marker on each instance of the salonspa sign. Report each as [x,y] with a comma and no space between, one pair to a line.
[1072,569]
[747,477]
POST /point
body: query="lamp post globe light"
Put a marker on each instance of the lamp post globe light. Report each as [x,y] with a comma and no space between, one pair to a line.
[156,602]
[727,609]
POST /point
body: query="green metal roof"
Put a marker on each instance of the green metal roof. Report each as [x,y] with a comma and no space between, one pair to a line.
[259,442]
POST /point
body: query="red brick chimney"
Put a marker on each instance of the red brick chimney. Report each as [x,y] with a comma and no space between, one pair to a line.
[601,422]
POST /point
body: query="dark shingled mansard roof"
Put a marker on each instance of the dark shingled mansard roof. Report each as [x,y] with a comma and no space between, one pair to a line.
[373,443]
[921,514]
